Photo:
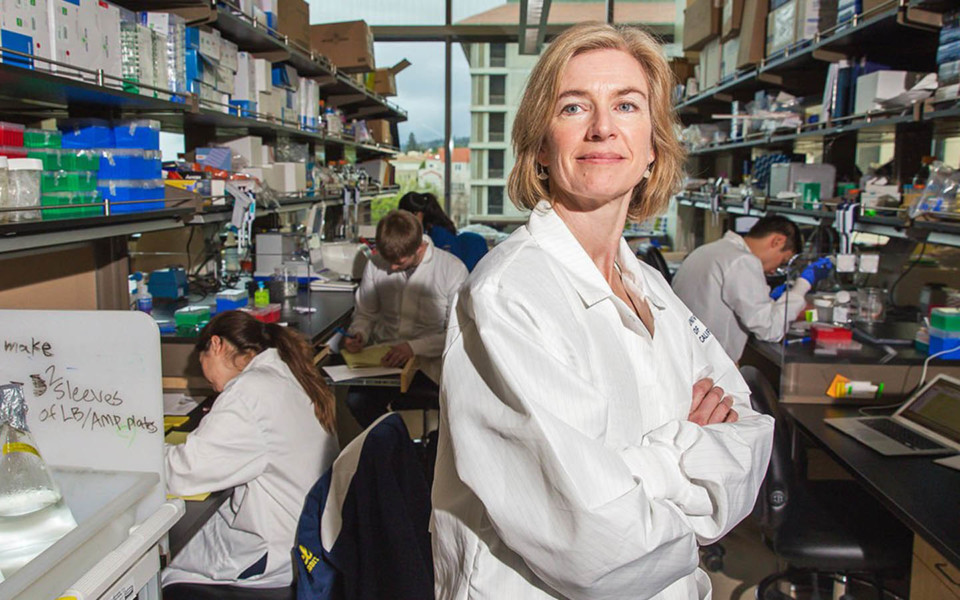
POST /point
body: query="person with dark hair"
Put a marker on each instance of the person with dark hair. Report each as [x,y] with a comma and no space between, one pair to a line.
[724,283]
[404,299]
[270,435]
[469,247]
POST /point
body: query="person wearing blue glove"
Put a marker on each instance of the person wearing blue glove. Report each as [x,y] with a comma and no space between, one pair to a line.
[813,273]
[724,284]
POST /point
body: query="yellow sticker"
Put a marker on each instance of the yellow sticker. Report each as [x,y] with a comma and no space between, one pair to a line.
[19,447]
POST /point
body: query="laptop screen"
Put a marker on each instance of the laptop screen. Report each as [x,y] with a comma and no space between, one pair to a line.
[937,409]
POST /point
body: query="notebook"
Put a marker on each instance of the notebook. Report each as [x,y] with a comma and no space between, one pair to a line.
[926,423]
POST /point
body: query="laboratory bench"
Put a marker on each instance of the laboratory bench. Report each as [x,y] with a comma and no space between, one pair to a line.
[330,309]
[923,495]
[804,376]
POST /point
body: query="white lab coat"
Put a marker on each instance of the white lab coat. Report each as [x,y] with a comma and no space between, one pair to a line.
[567,466]
[261,438]
[410,306]
[724,285]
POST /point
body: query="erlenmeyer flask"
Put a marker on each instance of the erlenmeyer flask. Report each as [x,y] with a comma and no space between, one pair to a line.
[25,482]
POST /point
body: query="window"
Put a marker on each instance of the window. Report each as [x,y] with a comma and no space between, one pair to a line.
[496,127]
[495,200]
[498,89]
[498,55]
[495,164]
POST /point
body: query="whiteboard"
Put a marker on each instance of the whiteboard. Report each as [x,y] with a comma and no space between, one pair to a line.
[92,384]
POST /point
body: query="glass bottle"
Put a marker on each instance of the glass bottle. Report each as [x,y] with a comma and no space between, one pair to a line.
[26,485]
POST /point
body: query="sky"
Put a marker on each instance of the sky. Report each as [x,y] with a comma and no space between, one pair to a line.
[420,86]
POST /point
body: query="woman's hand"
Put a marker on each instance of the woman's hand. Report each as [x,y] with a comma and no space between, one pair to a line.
[710,405]
[354,343]
[397,356]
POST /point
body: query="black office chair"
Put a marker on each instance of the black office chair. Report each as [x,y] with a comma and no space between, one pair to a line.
[830,527]
[651,255]
[189,591]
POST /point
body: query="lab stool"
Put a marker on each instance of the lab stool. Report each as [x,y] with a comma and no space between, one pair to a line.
[193,591]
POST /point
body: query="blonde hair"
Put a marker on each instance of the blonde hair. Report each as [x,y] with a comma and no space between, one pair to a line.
[399,234]
[530,127]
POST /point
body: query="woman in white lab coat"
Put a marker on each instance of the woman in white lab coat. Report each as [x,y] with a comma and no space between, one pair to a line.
[593,432]
[269,435]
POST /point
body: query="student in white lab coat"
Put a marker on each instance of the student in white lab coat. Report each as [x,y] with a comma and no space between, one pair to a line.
[270,435]
[724,283]
[592,433]
[403,300]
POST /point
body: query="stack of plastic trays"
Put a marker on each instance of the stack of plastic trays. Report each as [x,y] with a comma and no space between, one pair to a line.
[69,174]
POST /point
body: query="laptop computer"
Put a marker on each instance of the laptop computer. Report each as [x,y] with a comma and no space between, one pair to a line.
[926,423]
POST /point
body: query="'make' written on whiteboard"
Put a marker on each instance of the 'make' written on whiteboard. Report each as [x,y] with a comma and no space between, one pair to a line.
[34,347]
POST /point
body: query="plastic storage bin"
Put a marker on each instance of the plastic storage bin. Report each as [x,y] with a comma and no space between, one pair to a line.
[13,151]
[191,319]
[72,159]
[68,181]
[86,133]
[130,163]
[24,191]
[4,189]
[141,133]
[267,314]
[11,134]
[70,205]
[50,156]
[132,195]
[232,300]
[42,138]
[939,344]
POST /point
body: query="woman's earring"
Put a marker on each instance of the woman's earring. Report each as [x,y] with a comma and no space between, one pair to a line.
[646,174]
[542,173]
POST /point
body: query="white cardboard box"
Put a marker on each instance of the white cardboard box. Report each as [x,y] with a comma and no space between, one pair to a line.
[244,83]
[291,177]
[710,59]
[24,27]
[228,55]
[63,18]
[882,85]
[262,75]
[100,25]
[249,147]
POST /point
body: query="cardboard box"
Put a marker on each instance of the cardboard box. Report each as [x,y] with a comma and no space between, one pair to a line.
[349,45]
[682,69]
[228,55]
[730,19]
[380,131]
[24,27]
[244,82]
[249,147]
[752,33]
[882,85]
[291,177]
[728,61]
[293,21]
[710,59]
[701,23]
[263,77]
[790,23]
[385,80]
[63,18]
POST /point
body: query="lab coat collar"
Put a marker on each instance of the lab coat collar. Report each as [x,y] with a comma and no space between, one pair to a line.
[553,235]
[736,239]
[267,357]
[630,268]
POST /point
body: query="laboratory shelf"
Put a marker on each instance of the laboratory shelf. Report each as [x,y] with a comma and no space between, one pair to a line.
[801,69]
[27,94]
[881,121]
[939,231]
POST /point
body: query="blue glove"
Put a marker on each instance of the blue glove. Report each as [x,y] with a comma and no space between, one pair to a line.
[817,270]
[778,291]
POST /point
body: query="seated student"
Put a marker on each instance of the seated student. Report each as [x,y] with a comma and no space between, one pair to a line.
[467,246]
[270,435]
[403,300]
